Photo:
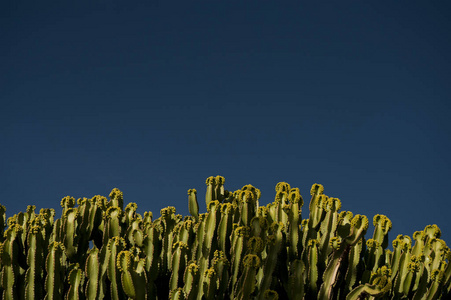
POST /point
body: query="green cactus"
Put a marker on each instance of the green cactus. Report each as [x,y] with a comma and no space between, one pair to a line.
[380,285]
[92,271]
[210,194]
[115,246]
[55,268]
[68,231]
[179,261]
[151,250]
[35,261]
[13,262]
[193,205]
[75,280]
[133,275]
[2,222]
[247,283]
[275,242]
[236,250]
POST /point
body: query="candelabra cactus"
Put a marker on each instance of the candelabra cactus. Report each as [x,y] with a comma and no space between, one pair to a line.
[237,249]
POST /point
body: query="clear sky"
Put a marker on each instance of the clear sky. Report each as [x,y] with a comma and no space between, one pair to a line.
[152,97]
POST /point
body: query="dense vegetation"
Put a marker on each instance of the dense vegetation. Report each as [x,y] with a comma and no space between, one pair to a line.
[236,250]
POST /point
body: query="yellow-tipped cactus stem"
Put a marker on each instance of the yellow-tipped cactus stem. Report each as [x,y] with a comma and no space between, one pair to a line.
[236,249]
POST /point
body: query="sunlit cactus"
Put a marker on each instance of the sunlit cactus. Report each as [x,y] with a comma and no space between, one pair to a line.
[35,261]
[133,276]
[55,265]
[233,248]
[2,221]
[192,203]
[75,280]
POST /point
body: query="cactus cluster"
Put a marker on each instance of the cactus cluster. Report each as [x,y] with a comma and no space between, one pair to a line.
[236,250]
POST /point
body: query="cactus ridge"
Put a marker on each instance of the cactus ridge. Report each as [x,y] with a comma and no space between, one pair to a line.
[235,249]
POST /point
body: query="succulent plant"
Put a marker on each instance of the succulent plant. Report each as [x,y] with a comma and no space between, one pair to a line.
[236,249]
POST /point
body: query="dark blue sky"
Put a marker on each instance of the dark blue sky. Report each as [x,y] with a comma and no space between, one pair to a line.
[154,98]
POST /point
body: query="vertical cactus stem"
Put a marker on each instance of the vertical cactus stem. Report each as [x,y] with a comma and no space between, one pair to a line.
[344,223]
[112,222]
[359,226]
[382,225]
[117,198]
[136,237]
[312,267]
[432,231]
[186,234]
[329,227]
[130,213]
[434,291]
[319,212]
[2,222]
[210,194]
[373,255]
[211,226]
[90,214]
[221,266]
[69,226]
[296,280]
[92,271]
[285,215]
[54,265]
[332,271]
[225,227]
[259,226]
[148,216]
[438,250]
[199,228]
[246,285]
[74,279]
[353,266]
[115,246]
[133,278]
[420,239]
[219,188]
[399,246]
[283,187]
[124,265]
[403,270]
[238,248]
[193,205]
[274,243]
[104,259]
[152,249]
[179,261]
[316,191]
[102,202]
[256,193]
[279,208]
[248,207]
[35,259]
[67,202]
[447,273]
[191,281]
[167,222]
[412,271]
[296,200]
[209,283]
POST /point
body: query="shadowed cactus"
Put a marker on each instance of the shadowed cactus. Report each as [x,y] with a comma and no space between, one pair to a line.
[237,249]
